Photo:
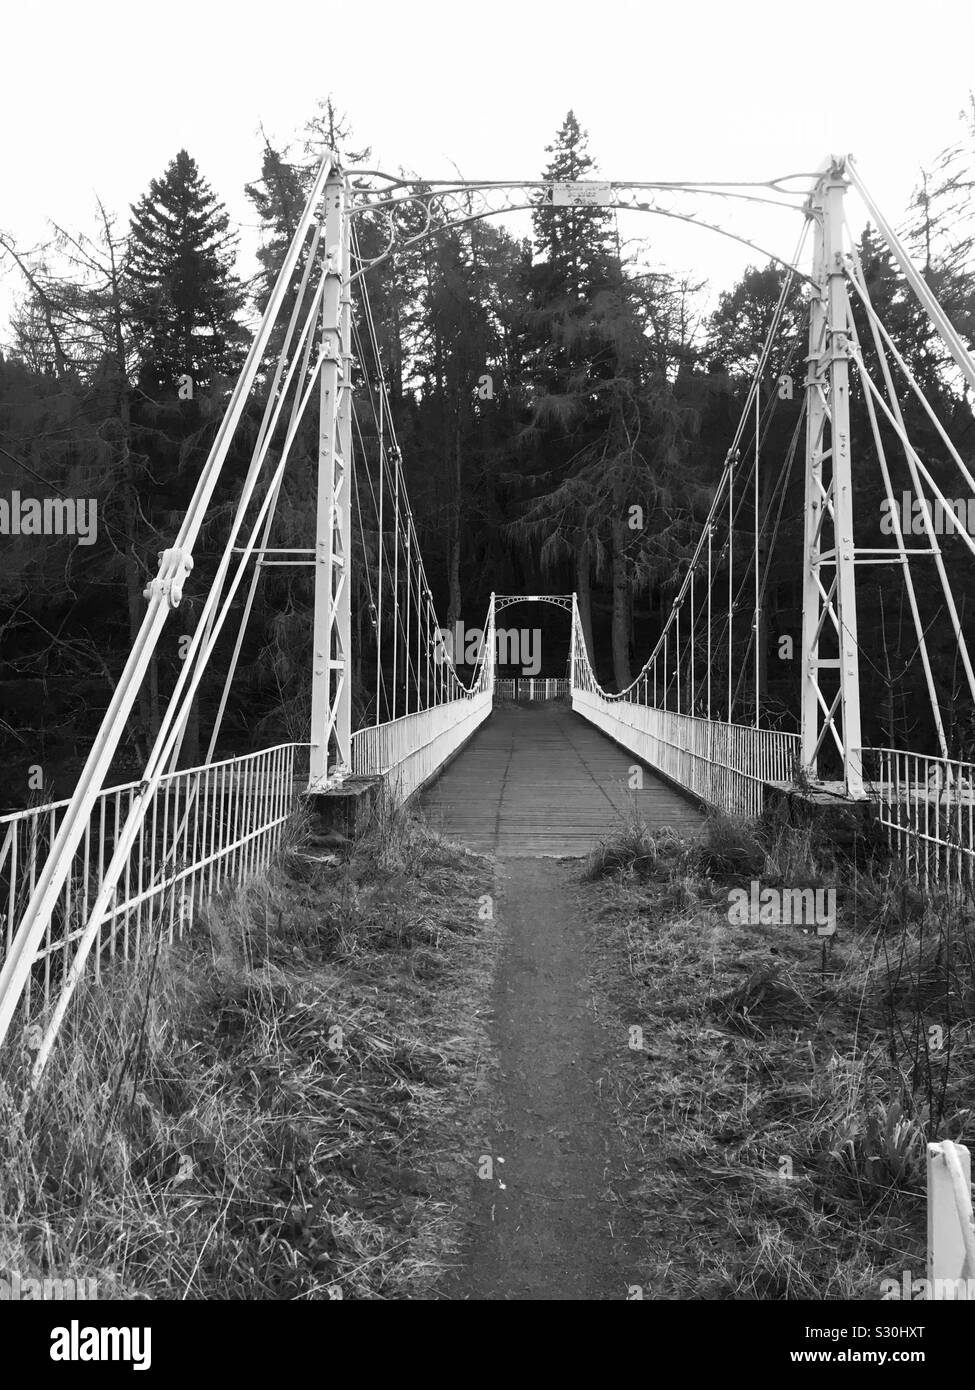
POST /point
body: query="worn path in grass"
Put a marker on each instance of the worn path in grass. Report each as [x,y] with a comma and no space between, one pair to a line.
[552,1222]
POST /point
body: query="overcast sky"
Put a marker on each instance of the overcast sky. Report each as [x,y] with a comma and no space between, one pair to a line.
[98,97]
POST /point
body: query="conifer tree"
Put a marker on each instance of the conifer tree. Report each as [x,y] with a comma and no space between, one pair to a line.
[606,429]
[183,294]
[278,197]
[576,243]
[941,231]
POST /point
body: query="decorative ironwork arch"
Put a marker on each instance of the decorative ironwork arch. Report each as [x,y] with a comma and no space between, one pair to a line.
[559,600]
[459,202]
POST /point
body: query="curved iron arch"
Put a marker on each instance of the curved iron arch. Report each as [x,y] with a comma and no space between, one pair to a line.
[502,601]
[430,197]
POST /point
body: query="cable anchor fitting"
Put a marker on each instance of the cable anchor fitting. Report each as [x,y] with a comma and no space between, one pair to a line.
[174,567]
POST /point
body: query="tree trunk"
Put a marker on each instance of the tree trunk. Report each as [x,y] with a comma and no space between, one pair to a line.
[584,597]
[148,695]
[396,358]
[766,611]
[190,751]
[453,558]
[360,696]
[154,716]
[888,716]
[621,608]
[133,579]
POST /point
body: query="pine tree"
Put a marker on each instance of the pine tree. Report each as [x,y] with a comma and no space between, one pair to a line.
[279,194]
[575,243]
[183,294]
[942,227]
[278,197]
[606,428]
[740,324]
[467,306]
[574,263]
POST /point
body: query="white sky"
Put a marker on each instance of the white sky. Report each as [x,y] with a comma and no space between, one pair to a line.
[100,96]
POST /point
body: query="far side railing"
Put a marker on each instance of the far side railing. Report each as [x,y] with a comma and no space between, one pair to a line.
[926,805]
[409,750]
[728,766]
[532,688]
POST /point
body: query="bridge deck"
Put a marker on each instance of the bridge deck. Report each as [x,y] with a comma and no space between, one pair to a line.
[544,781]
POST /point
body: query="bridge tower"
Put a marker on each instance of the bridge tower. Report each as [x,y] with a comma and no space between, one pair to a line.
[830,684]
[331,690]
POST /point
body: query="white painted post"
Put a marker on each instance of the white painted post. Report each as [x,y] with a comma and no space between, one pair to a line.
[331,692]
[828,550]
[946,1240]
[490,665]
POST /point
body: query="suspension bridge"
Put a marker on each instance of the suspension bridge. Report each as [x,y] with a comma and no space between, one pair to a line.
[90,882]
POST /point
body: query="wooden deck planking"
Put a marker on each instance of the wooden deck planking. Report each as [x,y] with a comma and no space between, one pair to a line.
[544,781]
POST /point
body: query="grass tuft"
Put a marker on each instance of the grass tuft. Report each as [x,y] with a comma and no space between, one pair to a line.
[271,1110]
[781,1105]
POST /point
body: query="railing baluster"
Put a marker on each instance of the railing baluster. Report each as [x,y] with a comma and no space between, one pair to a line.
[128,888]
[190,787]
[13,838]
[85,870]
[247,820]
[140,851]
[65,899]
[167,870]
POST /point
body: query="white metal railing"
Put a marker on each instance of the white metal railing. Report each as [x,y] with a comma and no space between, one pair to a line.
[406,752]
[927,807]
[532,688]
[203,827]
[409,750]
[727,765]
[951,1237]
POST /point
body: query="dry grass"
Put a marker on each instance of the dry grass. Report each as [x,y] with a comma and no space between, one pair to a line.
[277,1107]
[778,1113]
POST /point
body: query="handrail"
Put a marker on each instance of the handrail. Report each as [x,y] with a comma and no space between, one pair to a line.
[203,826]
[7,816]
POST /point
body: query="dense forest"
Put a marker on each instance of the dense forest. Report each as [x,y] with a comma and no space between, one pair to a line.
[610,390]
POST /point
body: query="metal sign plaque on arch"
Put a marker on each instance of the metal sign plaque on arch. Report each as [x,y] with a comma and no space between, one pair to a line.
[582,195]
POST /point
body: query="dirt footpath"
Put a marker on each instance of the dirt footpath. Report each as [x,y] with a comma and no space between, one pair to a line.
[550,1222]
